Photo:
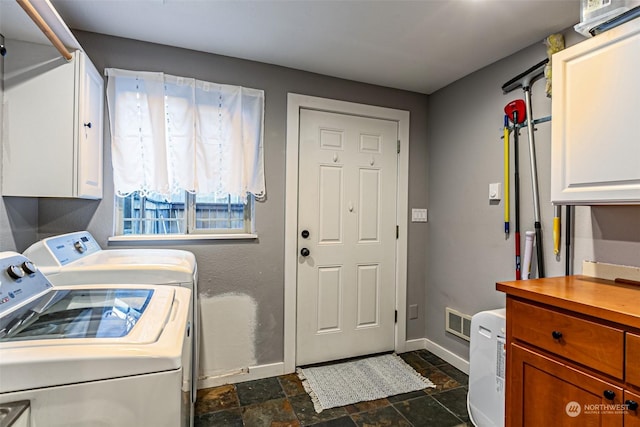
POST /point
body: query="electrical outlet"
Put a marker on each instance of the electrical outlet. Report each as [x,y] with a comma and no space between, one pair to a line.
[413,311]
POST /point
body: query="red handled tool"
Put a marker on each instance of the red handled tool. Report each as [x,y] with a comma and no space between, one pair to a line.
[516,112]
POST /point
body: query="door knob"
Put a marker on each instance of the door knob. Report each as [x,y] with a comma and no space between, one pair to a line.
[304,252]
[305,234]
[609,394]
[632,405]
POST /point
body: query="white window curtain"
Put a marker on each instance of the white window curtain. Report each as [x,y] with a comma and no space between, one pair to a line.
[170,134]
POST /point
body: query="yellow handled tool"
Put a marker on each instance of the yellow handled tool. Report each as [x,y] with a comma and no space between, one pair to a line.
[506,176]
[556,229]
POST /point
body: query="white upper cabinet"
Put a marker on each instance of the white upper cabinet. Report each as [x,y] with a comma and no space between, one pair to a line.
[595,155]
[52,144]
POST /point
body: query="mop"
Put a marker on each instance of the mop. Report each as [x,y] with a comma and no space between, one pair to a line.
[526,80]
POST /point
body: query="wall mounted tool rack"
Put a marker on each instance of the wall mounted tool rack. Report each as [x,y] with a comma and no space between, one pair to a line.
[524,124]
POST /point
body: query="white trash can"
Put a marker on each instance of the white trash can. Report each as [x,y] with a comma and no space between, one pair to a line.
[487,360]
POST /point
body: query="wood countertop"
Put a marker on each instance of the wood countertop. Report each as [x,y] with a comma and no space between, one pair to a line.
[605,299]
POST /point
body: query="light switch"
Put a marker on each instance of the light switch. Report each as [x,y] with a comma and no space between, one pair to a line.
[418,215]
[495,191]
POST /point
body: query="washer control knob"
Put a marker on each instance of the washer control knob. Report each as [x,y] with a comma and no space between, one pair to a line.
[80,247]
[15,272]
[29,267]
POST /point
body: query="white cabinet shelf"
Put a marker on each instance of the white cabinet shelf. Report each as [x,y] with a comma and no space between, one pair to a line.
[52,144]
[595,155]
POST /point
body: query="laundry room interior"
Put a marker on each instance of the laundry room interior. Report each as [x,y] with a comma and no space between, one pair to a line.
[446,203]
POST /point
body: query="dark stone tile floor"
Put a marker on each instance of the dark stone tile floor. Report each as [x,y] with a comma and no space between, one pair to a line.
[281,401]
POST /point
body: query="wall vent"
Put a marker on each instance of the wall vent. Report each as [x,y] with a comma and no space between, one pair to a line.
[458,324]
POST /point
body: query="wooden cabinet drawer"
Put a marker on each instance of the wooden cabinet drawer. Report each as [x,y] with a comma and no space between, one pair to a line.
[591,344]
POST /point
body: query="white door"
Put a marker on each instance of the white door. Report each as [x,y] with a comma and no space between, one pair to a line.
[347,204]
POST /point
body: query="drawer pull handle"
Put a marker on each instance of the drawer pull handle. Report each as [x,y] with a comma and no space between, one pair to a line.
[556,335]
[609,394]
[632,405]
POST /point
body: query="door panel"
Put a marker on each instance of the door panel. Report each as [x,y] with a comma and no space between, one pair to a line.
[368,283]
[331,186]
[369,215]
[347,201]
[329,299]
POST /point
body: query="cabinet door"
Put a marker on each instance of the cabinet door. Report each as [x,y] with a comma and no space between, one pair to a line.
[595,134]
[38,122]
[90,133]
[546,392]
[632,416]
[632,359]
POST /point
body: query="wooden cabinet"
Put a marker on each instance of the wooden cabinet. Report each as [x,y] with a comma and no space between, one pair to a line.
[52,146]
[595,156]
[573,346]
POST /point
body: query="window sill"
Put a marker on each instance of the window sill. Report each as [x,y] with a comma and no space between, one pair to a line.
[158,238]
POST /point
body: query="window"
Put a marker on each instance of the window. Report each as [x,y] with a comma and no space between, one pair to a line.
[185,213]
[187,155]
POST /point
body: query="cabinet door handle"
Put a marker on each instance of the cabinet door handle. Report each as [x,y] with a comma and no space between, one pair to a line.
[609,394]
[632,405]
[87,125]
[556,335]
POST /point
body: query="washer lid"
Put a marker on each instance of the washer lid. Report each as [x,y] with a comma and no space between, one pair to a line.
[153,266]
[72,334]
[76,258]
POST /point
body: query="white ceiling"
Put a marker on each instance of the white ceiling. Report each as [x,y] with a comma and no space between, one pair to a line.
[414,45]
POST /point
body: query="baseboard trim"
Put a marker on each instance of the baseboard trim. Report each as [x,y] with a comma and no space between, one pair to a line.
[417,344]
[438,350]
[274,369]
[447,356]
[241,375]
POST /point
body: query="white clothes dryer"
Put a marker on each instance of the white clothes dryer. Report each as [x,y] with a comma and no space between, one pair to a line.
[94,355]
[77,258]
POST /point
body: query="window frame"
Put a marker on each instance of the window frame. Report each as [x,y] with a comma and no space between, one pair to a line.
[191,232]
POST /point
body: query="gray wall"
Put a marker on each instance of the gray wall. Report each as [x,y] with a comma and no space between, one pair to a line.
[467,251]
[253,268]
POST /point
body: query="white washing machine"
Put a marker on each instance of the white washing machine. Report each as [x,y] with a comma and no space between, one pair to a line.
[487,362]
[77,258]
[93,355]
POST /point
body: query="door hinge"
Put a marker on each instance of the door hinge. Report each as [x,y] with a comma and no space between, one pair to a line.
[398,146]
[397,231]
[396,317]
